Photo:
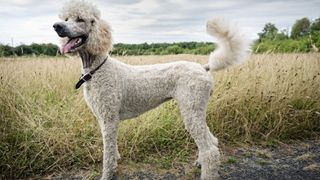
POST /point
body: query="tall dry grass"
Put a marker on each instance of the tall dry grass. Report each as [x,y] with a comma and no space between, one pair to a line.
[45,125]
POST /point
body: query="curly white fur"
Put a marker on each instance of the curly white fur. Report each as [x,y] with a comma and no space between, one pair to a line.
[120,91]
[233,45]
[100,40]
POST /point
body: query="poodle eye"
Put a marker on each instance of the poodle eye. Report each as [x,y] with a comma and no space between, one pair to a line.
[80,20]
[66,19]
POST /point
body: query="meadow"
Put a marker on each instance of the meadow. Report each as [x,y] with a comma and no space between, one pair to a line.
[45,125]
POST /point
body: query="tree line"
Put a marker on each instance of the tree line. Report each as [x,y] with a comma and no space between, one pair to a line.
[33,49]
[163,48]
[304,36]
[120,49]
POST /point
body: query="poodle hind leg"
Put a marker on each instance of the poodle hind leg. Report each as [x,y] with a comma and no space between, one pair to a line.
[208,155]
[193,114]
[215,142]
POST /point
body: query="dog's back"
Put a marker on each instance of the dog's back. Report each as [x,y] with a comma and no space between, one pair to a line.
[145,87]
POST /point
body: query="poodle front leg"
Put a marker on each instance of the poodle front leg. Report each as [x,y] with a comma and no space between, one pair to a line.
[109,130]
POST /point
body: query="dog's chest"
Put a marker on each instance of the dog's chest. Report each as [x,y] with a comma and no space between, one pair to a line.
[87,96]
[101,95]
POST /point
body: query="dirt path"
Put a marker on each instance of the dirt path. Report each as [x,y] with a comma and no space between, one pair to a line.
[296,161]
[300,160]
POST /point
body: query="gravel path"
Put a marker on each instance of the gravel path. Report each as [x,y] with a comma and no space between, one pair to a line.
[300,160]
[296,161]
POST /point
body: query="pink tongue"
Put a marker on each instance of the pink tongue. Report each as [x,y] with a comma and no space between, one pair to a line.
[67,47]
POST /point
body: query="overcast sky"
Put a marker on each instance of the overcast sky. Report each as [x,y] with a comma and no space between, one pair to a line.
[137,21]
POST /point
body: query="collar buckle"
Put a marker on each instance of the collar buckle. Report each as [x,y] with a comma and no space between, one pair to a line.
[86,77]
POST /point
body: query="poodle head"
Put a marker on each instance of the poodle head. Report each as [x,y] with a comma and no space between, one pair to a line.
[82,29]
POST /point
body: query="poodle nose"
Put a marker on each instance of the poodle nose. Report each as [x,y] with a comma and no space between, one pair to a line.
[60,29]
[57,27]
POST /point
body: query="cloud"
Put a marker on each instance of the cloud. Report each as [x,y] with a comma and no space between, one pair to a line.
[137,21]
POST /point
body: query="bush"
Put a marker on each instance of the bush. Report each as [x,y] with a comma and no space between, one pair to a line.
[301,45]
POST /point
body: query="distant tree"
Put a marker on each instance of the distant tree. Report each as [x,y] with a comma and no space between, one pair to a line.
[283,34]
[315,34]
[300,28]
[315,26]
[23,50]
[51,49]
[269,31]
[174,49]
[6,50]
[315,39]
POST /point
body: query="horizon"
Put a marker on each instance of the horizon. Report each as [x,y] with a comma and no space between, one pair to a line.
[151,21]
[149,43]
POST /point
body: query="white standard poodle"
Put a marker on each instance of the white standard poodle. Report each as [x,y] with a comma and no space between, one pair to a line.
[116,91]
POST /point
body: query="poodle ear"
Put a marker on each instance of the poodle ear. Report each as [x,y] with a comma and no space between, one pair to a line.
[100,39]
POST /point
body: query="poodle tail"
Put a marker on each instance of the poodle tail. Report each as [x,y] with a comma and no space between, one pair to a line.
[233,46]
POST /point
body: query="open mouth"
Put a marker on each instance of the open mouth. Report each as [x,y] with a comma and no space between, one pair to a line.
[73,44]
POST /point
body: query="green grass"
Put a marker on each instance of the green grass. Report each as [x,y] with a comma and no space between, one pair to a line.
[45,125]
[231,160]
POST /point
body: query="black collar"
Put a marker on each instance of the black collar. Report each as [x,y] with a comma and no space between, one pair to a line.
[88,76]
